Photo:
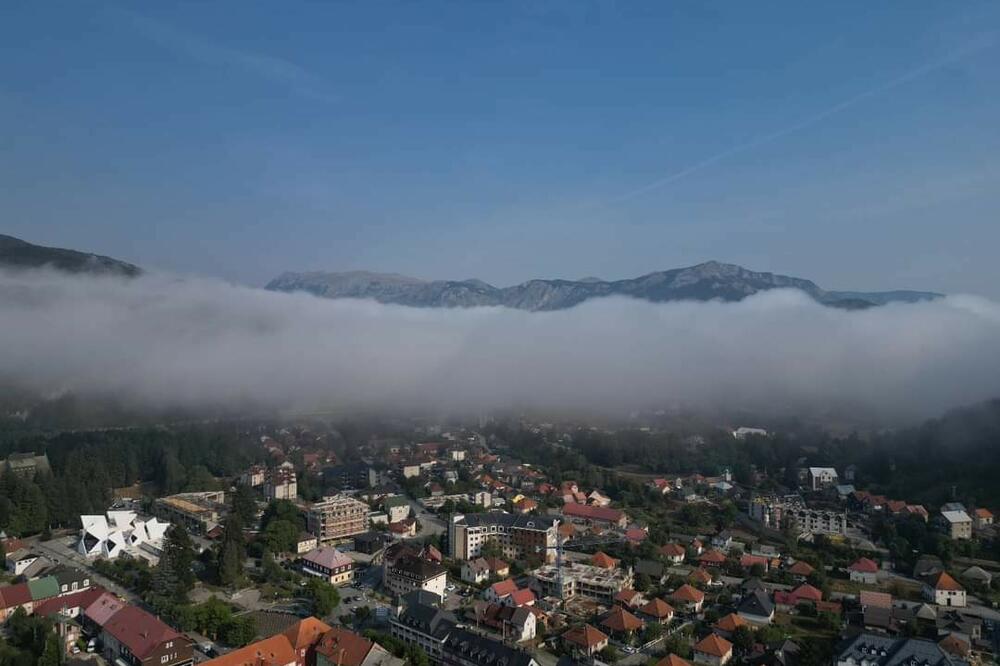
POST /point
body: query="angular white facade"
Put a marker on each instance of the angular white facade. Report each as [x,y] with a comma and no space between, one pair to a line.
[120,532]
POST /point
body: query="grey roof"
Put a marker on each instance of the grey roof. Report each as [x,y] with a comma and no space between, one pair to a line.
[418,567]
[486,651]
[428,620]
[886,651]
[422,597]
[977,573]
[756,603]
[507,520]
[651,568]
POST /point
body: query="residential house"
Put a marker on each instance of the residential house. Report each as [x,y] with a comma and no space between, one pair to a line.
[20,561]
[397,508]
[864,571]
[804,593]
[629,598]
[800,570]
[713,650]
[756,607]
[510,622]
[822,477]
[687,598]
[475,571]
[585,641]
[727,625]
[329,564]
[340,647]
[956,524]
[409,573]
[600,516]
[305,543]
[674,553]
[982,518]
[499,591]
[944,590]
[281,484]
[296,646]
[621,623]
[657,610]
[673,660]
[136,638]
[877,650]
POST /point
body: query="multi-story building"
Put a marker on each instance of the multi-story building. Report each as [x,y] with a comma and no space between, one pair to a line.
[789,511]
[397,508]
[408,573]
[601,516]
[198,512]
[518,536]
[598,583]
[822,477]
[337,517]
[351,475]
[329,564]
[956,524]
[281,484]
[254,476]
[26,464]
[878,650]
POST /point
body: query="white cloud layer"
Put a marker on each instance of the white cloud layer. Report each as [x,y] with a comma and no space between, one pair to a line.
[164,342]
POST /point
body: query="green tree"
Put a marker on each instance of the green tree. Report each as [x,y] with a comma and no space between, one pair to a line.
[175,566]
[232,552]
[324,596]
[280,536]
[239,631]
[245,504]
[743,639]
[52,655]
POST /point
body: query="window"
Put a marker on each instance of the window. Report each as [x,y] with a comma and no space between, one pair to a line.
[164,659]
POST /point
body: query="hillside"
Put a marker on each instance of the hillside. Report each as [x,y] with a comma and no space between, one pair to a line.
[707,281]
[16,253]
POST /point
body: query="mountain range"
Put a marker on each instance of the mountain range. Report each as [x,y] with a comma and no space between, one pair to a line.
[706,281]
[16,253]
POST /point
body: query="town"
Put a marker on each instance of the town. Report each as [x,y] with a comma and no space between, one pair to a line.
[500,544]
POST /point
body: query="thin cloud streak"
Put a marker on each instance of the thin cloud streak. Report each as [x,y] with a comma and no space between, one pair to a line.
[805,123]
[164,342]
[275,70]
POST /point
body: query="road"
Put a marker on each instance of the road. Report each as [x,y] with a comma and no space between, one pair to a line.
[430,524]
[61,551]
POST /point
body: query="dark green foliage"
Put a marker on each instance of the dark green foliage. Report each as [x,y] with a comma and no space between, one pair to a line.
[232,553]
[324,596]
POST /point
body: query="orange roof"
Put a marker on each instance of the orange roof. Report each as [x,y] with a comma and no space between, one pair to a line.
[714,645]
[801,568]
[504,587]
[984,513]
[712,557]
[673,660]
[620,619]
[657,608]
[730,623]
[673,550]
[700,576]
[944,581]
[306,632]
[952,644]
[603,560]
[344,647]
[585,636]
[273,651]
[687,593]
[864,565]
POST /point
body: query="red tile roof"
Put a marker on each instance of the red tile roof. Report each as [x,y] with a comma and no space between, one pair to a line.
[15,595]
[139,631]
[673,660]
[687,593]
[944,581]
[306,632]
[273,651]
[80,599]
[700,576]
[504,587]
[585,636]
[714,645]
[801,568]
[673,550]
[522,597]
[593,512]
[712,557]
[103,608]
[603,560]
[984,513]
[657,608]
[344,647]
[731,623]
[620,619]
[864,565]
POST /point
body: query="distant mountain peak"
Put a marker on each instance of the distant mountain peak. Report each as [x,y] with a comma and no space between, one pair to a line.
[17,253]
[710,280]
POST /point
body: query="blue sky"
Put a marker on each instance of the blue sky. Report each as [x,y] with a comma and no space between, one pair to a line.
[852,143]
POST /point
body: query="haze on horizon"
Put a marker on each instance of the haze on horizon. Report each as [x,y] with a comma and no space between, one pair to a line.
[855,145]
[160,342]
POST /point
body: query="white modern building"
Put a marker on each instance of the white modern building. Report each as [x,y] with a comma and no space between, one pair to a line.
[118,532]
